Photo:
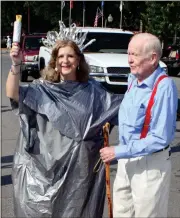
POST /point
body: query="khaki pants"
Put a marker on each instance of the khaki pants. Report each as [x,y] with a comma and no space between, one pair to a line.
[141,187]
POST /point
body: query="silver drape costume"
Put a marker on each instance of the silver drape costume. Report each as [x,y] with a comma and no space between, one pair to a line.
[58,147]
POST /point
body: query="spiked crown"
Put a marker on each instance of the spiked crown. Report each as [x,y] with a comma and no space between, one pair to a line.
[71,33]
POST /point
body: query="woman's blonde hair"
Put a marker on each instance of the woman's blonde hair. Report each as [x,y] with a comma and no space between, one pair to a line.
[82,72]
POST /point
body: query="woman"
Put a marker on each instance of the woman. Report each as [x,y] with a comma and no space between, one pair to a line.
[61,118]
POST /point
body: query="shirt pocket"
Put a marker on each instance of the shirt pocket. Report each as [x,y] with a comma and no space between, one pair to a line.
[137,116]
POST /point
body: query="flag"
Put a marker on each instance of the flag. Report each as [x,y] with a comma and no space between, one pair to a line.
[102,4]
[71,4]
[98,15]
[120,6]
[84,6]
[177,55]
[63,4]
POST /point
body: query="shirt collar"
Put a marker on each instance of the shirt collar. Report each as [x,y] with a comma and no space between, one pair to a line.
[151,79]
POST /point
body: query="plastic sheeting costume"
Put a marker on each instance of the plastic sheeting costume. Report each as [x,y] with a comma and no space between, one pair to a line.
[58,148]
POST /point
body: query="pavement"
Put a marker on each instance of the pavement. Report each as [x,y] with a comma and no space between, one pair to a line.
[4,51]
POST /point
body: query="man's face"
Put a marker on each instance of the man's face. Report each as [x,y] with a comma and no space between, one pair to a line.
[140,62]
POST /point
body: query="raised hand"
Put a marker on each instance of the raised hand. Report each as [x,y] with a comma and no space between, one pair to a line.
[16,54]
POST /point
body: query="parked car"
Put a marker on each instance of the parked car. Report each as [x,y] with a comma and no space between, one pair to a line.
[30,45]
[169,43]
[107,56]
[173,60]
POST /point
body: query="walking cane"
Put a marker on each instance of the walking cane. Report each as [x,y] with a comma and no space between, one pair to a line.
[107,169]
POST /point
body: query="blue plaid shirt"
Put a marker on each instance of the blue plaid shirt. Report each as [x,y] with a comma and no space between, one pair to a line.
[132,114]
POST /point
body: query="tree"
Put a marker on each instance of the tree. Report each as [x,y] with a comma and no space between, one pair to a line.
[162,19]
[132,14]
[8,12]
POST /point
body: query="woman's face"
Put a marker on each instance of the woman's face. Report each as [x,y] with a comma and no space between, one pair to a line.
[67,63]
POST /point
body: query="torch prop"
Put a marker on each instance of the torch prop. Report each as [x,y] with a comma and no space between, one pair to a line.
[17,29]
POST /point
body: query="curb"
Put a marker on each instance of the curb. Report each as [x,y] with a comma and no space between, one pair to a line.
[4,51]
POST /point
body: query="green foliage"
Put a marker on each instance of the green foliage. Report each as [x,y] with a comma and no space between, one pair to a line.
[162,18]
[8,13]
[132,14]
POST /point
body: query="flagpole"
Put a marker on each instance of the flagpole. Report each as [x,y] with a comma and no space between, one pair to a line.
[83,13]
[102,10]
[70,14]
[102,16]
[121,7]
[61,10]
[70,17]
[83,16]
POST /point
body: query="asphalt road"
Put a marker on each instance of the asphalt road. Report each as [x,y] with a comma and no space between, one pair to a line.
[10,129]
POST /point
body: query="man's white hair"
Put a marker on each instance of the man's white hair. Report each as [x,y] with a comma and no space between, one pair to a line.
[151,43]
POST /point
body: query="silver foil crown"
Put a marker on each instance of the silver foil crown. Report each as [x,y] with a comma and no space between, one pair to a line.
[71,33]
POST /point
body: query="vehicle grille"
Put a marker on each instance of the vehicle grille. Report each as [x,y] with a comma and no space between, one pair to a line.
[118,70]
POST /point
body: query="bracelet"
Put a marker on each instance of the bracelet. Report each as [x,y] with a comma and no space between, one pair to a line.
[16,65]
[13,73]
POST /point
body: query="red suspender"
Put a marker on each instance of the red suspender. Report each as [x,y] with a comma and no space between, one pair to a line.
[130,86]
[148,111]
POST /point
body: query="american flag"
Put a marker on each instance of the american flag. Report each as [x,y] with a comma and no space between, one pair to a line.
[71,4]
[63,4]
[98,15]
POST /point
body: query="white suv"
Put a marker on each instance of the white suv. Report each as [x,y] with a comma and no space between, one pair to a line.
[107,56]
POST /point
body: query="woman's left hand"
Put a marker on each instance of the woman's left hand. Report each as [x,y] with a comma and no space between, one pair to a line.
[107,154]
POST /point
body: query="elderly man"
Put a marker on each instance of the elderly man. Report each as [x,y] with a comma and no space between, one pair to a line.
[147,123]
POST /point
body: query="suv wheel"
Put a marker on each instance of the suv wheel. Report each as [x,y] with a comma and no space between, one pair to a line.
[24,76]
[36,74]
[41,63]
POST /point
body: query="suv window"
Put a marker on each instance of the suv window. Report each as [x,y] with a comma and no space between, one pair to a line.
[174,50]
[172,54]
[33,43]
[108,42]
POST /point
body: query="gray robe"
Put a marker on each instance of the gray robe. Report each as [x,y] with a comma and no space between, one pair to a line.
[58,148]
